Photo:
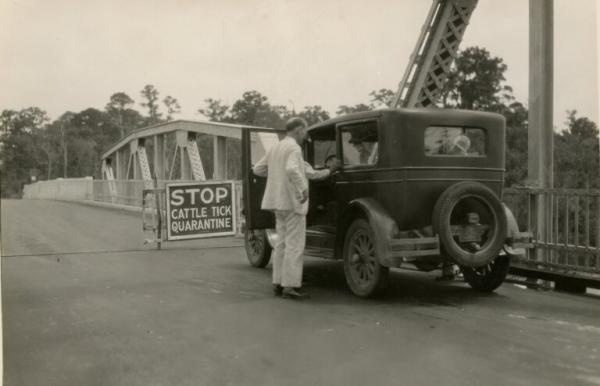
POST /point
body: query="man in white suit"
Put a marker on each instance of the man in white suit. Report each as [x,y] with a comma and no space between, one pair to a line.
[286,194]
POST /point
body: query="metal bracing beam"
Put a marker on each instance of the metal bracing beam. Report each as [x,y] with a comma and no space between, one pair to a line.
[173,162]
[159,156]
[144,165]
[189,163]
[436,49]
[189,157]
[118,159]
[136,167]
[219,158]
[129,162]
[133,147]
[108,175]
[211,128]
[181,138]
[185,164]
[197,170]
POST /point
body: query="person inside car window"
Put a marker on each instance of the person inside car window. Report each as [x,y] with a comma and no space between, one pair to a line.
[364,140]
[460,145]
[367,151]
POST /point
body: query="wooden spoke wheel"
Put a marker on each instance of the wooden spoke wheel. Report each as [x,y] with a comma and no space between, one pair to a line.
[258,249]
[364,275]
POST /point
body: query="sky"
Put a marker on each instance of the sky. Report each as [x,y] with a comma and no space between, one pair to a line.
[68,55]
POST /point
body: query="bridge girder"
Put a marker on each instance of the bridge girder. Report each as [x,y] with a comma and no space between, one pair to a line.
[175,153]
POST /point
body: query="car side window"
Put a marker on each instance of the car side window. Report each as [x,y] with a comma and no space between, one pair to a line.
[360,144]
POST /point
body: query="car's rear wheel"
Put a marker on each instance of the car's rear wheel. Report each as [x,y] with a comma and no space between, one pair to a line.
[488,277]
[258,249]
[364,275]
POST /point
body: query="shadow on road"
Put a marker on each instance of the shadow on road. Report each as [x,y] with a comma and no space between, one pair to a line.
[325,281]
[404,287]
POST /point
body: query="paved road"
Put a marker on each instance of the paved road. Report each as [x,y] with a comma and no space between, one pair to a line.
[84,303]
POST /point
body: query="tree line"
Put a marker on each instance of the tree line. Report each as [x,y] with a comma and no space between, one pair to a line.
[31,145]
[71,145]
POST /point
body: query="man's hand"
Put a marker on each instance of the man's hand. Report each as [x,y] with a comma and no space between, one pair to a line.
[335,166]
[304,196]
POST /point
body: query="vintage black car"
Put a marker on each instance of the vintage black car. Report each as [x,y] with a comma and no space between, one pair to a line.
[418,187]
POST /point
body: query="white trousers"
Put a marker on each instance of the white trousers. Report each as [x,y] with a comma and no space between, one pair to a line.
[288,254]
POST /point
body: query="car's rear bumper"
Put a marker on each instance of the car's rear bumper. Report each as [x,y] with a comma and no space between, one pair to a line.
[407,250]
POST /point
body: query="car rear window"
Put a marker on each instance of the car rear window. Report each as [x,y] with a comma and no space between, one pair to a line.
[455,141]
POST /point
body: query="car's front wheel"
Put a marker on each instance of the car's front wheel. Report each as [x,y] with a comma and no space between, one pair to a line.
[258,249]
[488,277]
[364,275]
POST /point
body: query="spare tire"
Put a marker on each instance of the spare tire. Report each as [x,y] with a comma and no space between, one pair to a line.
[470,204]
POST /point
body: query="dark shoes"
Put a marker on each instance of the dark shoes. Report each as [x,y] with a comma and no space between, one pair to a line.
[294,293]
[277,289]
[289,292]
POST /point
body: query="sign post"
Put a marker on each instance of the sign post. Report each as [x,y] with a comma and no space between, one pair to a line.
[200,209]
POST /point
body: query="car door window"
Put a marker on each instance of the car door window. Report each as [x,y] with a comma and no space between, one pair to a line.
[260,143]
[360,144]
[321,152]
[322,149]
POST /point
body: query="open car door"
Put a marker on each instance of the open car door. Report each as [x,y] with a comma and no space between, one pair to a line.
[255,144]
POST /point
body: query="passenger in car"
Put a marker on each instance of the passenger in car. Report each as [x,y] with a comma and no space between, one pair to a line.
[460,145]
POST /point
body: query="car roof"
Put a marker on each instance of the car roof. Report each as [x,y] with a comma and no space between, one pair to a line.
[350,117]
[407,112]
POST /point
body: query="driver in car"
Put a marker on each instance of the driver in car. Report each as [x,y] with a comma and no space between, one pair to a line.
[365,143]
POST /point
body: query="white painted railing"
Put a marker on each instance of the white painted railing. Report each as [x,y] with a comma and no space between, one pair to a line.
[68,189]
[121,192]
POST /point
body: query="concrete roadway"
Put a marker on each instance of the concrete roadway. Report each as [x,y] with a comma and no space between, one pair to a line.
[84,303]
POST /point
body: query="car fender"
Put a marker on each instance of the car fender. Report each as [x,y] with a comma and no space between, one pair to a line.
[384,227]
[512,232]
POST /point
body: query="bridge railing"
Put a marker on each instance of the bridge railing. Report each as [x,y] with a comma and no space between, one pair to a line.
[569,243]
[122,192]
[67,189]
[112,192]
[130,193]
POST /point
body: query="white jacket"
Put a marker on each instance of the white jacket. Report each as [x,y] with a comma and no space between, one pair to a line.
[287,176]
